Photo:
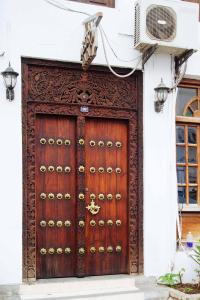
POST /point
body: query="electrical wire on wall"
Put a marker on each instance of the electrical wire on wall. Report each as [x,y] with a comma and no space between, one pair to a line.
[103,35]
[179,77]
[108,64]
[58,5]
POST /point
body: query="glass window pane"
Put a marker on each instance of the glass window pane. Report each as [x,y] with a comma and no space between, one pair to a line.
[192,135]
[181,194]
[180,152]
[192,155]
[193,195]
[181,174]
[180,137]
[192,171]
[183,96]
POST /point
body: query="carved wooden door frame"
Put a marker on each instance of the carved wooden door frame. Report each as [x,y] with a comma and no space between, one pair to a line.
[51,87]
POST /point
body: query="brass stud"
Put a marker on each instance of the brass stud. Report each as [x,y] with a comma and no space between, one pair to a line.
[51,223]
[118,249]
[59,196]
[67,142]
[109,170]
[81,251]
[43,223]
[68,250]
[118,144]
[92,250]
[81,196]
[43,251]
[59,169]
[51,250]
[118,222]
[67,223]
[101,170]
[81,142]
[43,141]
[81,169]
[59,142]
[118,170]
[109,144]
[118,196]
[100,143]
[51,196]
[59,223]
[110,222]
[92,170]
[101,222]
[51,141]
[81,223]
[92,143]
[109,249]
[67,196]
[109,196]
[43,196]
[51,168]
[67,169]
[92,223]
[59,251]
[43,169]
[92,196]
[101,197]
[101,249]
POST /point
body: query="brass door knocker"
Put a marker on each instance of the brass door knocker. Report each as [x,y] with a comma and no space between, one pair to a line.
[93,209]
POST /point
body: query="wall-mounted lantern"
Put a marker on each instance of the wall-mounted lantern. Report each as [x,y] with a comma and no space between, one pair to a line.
[10,80]
[161,93]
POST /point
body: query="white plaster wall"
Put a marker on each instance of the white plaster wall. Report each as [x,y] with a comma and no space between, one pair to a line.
[33,28]
[159,171]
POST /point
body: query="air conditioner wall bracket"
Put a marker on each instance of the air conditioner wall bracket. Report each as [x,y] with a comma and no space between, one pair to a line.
[147,54]
[179,60]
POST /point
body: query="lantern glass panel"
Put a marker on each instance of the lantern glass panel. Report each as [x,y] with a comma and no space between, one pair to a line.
[8,80]
[13,80]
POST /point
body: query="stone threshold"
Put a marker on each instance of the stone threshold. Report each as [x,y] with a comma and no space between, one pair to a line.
[111,287]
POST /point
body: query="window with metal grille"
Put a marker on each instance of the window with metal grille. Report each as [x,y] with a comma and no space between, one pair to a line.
[108,3]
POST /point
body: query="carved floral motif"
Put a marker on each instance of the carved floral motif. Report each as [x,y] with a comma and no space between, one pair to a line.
[58,85]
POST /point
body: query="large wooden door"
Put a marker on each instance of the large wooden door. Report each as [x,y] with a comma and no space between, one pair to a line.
[82,171]
[81,188]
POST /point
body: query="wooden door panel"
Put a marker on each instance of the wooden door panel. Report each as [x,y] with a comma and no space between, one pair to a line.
[100,130]
[55,265]
[101,261]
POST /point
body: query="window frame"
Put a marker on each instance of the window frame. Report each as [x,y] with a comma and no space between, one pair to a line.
[187,164]
[109,3]
[189,121]
[189,83]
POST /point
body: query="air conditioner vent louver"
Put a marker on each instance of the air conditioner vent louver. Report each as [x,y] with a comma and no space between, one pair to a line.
[137,24]
[161,23]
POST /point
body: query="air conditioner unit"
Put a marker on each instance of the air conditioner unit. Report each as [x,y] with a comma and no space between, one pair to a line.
[172,24]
